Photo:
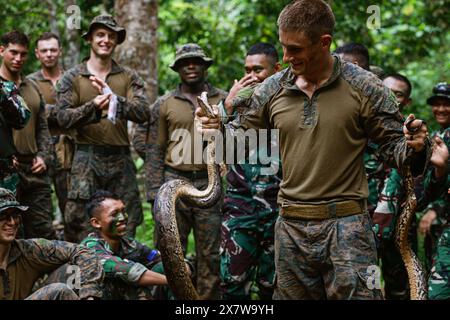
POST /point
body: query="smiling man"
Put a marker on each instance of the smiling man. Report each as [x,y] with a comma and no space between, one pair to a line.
[127,263]
[325,110]
[32,142]
[96,98]
[170,114]
[22,262]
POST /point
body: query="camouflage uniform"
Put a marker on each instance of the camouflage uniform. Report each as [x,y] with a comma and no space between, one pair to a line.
[439,281]
[427,189]
[62,144]
[324,243]
[376,172]
[247,242]
[14,113]
[149,141]
[102,158]
[30,259]
[124,268]
[34,189]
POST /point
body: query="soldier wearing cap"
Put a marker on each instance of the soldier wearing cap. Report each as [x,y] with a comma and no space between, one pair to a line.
[157,143]
[22,262]
[439,210]
[96,98]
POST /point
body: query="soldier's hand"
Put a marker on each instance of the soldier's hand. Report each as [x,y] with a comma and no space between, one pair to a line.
[246,81]
[439,157]
[102,101]
[15,162]
[38,165]
[415,131]
[98,83]
[204,124]
[426,221]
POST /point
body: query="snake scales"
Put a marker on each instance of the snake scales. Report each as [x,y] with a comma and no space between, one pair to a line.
[416,274]
[164,212]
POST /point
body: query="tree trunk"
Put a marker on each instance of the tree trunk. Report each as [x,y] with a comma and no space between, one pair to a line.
[73,38]
[139,51]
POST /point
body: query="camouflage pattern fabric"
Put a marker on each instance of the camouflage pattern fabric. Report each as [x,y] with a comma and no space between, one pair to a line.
[57,169]
[34,191]
[14,114]
[124,267]
[247,242]
[388,209]
[298,258]
[327,259]
[439,281]
[92,171]
[29,260]
[376,172]
[54,291]
[145,139]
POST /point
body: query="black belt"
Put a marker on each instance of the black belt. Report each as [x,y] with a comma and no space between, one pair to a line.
[104,150]
[192,175]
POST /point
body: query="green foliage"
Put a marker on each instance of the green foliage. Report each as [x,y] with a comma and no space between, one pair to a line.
[413,38]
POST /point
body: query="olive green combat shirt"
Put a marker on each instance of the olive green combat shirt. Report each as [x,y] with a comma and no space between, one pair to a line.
[30,259]
[76,109]
[34,139]
[171,131]
[322,139]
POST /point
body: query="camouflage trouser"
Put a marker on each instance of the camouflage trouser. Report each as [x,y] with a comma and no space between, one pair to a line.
[60,179]
[34,191]
[439,281]
[117,289]
[9,181]
[326,259]
[54,291]
[206,226]
[247,252]
[91,172]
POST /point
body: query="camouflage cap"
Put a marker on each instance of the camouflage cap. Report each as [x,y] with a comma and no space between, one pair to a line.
[190,50]
[441,90]
[8,200]
[108,22]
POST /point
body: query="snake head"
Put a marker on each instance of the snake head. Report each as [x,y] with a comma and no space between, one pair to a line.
[204,104]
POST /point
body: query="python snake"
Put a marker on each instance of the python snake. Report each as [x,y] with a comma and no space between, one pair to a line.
[414,269]
[164,212]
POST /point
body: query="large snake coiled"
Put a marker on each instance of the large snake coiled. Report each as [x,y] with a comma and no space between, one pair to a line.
[414,269]
[164,213]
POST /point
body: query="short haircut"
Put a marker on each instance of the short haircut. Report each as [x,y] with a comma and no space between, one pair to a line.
[15,37]
[47,36]
[359,51]
[313,17]
[96,201]
[401,78]
[266,49]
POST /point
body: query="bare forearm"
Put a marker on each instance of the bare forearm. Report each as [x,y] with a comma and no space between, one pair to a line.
[151,278]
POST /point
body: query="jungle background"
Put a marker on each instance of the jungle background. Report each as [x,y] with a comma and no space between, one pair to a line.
[413,39]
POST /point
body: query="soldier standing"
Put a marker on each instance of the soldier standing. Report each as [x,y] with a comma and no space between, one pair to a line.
[325,109]
[250,203]
[48,51]
[14,114]
[173,114]
[32,142]
[96,98]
